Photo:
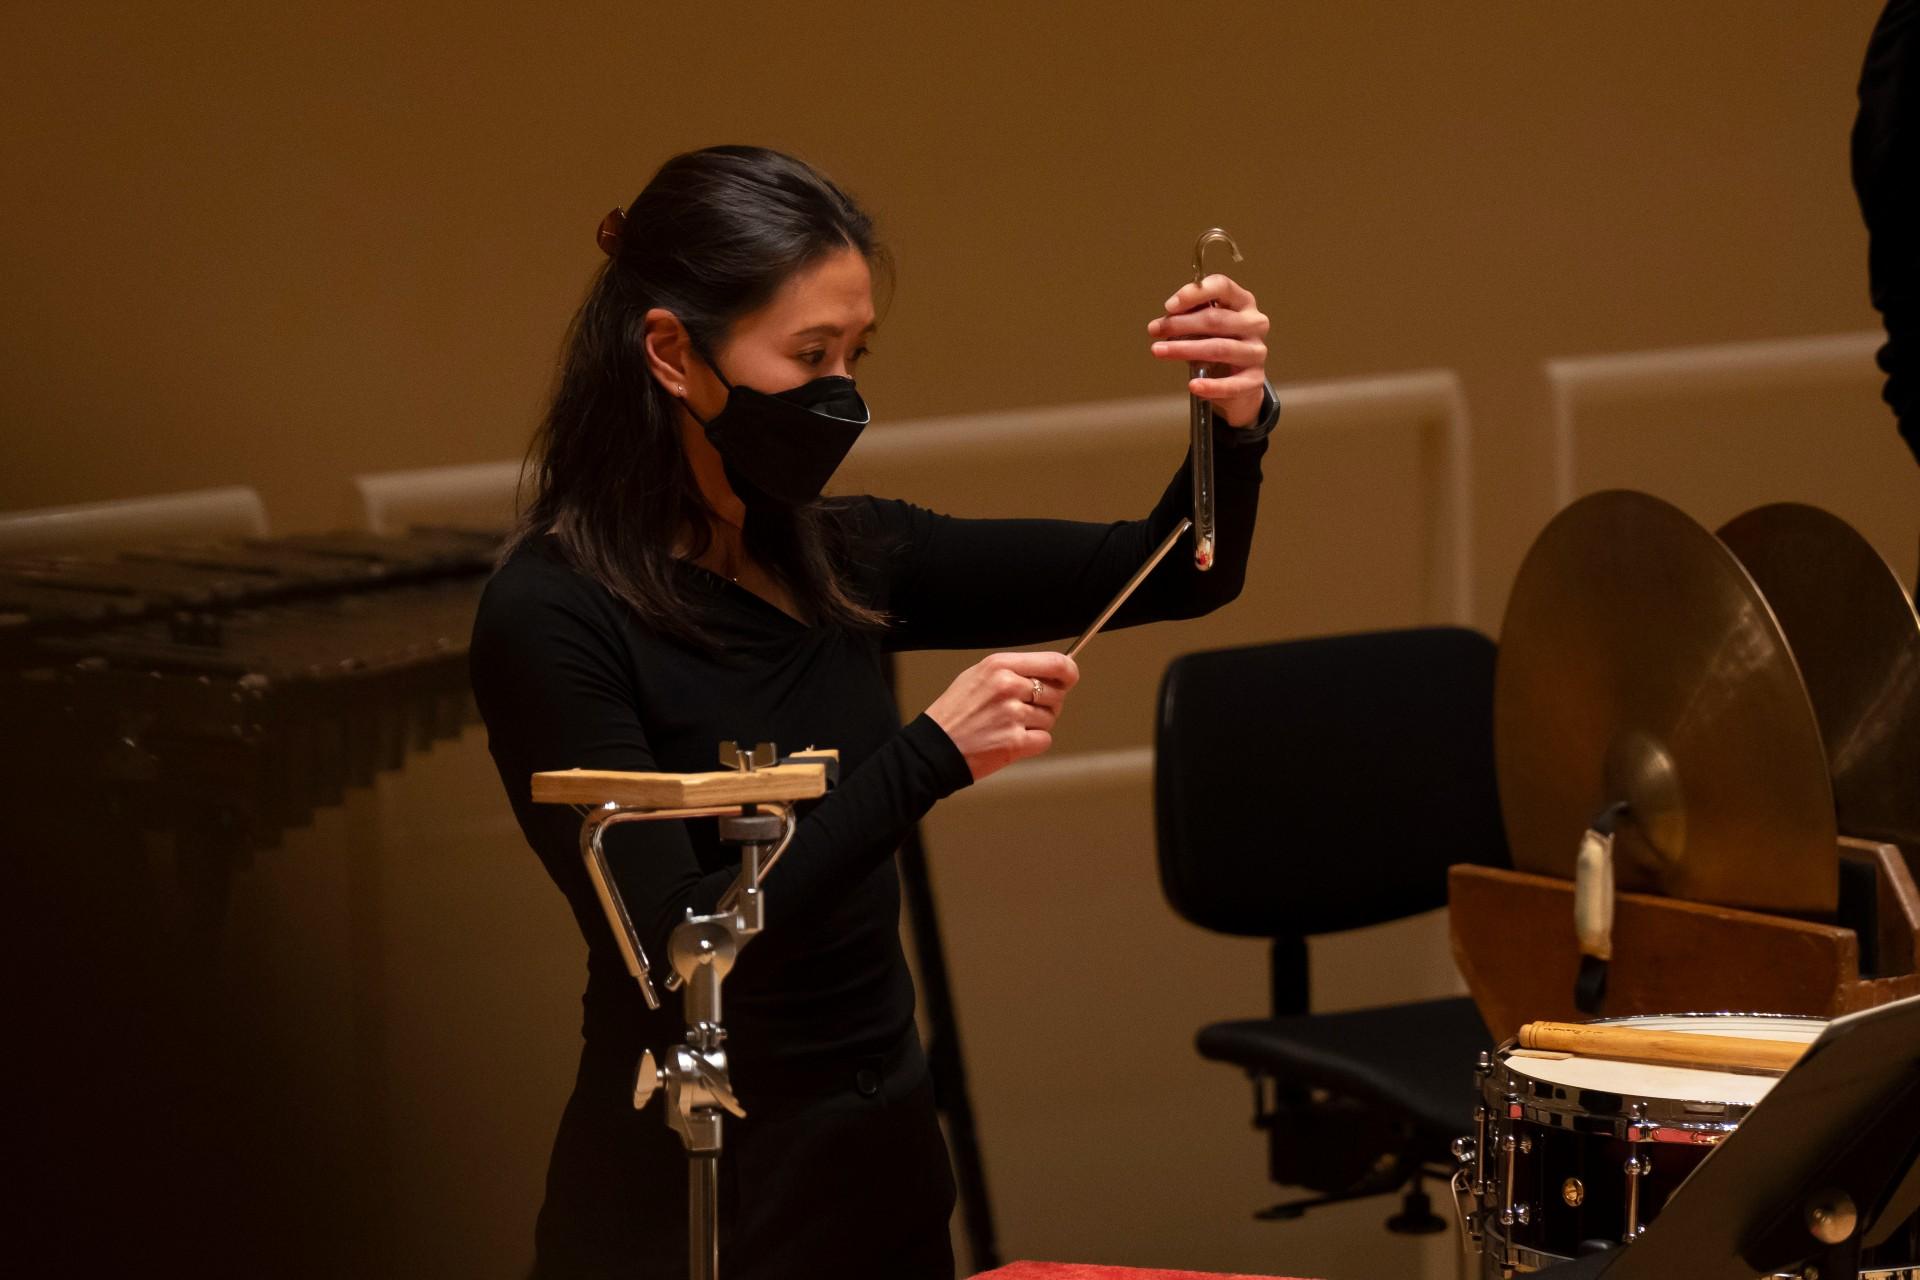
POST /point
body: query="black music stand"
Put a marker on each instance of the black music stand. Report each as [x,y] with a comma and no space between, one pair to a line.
[1827,1163]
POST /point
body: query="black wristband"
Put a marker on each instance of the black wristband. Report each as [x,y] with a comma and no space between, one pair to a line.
[1264,425]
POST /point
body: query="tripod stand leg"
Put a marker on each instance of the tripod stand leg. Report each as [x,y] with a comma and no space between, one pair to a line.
[944,1062]
[703,1222]
[943,1046]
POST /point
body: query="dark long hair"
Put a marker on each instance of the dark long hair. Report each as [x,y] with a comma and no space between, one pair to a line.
[711,238]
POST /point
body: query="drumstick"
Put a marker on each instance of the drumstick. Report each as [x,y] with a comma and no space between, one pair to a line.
[1140,576]
[1675,1048]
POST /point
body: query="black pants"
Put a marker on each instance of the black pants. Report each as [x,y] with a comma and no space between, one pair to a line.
[836,1171]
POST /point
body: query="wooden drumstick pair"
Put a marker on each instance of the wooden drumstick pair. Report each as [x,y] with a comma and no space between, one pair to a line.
[1671,1048]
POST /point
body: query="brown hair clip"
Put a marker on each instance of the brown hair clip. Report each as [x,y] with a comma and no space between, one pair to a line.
[612,227]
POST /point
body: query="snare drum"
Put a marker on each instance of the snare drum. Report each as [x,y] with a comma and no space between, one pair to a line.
[1573,1154]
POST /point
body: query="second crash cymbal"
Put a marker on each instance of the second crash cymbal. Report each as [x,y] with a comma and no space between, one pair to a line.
[1639,663]
[1856,639]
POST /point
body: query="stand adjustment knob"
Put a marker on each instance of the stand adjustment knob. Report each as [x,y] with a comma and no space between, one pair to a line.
[1831,1217]
[647,1078]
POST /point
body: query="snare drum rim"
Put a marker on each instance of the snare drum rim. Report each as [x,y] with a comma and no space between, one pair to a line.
[1716,1013]
[1509,1094]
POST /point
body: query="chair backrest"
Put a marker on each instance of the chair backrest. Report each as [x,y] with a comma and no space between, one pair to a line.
[1317,785]
[479,495]
[200,515]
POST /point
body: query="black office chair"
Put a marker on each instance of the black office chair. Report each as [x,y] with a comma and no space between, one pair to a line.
[1309,787]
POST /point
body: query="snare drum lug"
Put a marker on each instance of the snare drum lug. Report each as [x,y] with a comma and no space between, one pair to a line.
[1510,1147]
[1637,1166]
[1480,1116]
[1479,1150]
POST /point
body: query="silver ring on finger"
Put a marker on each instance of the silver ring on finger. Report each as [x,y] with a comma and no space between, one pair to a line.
[1034,697]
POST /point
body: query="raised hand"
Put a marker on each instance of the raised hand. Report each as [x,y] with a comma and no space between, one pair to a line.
[1216,322]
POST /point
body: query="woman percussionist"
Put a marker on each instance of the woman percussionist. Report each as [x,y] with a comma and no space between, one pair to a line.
[678,579]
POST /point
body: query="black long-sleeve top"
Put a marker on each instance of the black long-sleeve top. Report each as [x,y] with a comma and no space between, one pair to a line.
[1886,176]
[567,676]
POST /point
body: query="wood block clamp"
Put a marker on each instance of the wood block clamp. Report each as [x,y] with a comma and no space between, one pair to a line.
[754,780]
[753,798]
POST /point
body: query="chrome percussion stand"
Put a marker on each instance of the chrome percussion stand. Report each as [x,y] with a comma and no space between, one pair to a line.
[753,801]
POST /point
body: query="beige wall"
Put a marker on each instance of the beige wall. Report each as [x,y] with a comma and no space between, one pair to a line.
[281,246]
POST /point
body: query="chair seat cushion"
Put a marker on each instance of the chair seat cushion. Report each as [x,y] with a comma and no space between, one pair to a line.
[1414,1059]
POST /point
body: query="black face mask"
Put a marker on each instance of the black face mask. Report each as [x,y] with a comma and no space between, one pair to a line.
[782,447]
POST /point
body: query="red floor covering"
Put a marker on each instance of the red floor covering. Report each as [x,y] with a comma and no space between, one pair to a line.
[1081,1271]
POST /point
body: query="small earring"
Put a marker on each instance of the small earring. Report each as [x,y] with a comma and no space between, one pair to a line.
[683,391]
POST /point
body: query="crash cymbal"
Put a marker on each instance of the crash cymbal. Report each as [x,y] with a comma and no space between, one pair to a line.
[1856,639]
[1639,662]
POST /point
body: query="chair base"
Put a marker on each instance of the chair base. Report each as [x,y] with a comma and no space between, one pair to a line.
[1416,1216]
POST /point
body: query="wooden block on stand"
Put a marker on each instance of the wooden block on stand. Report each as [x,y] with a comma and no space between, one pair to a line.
[681,790]
[1513,940]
